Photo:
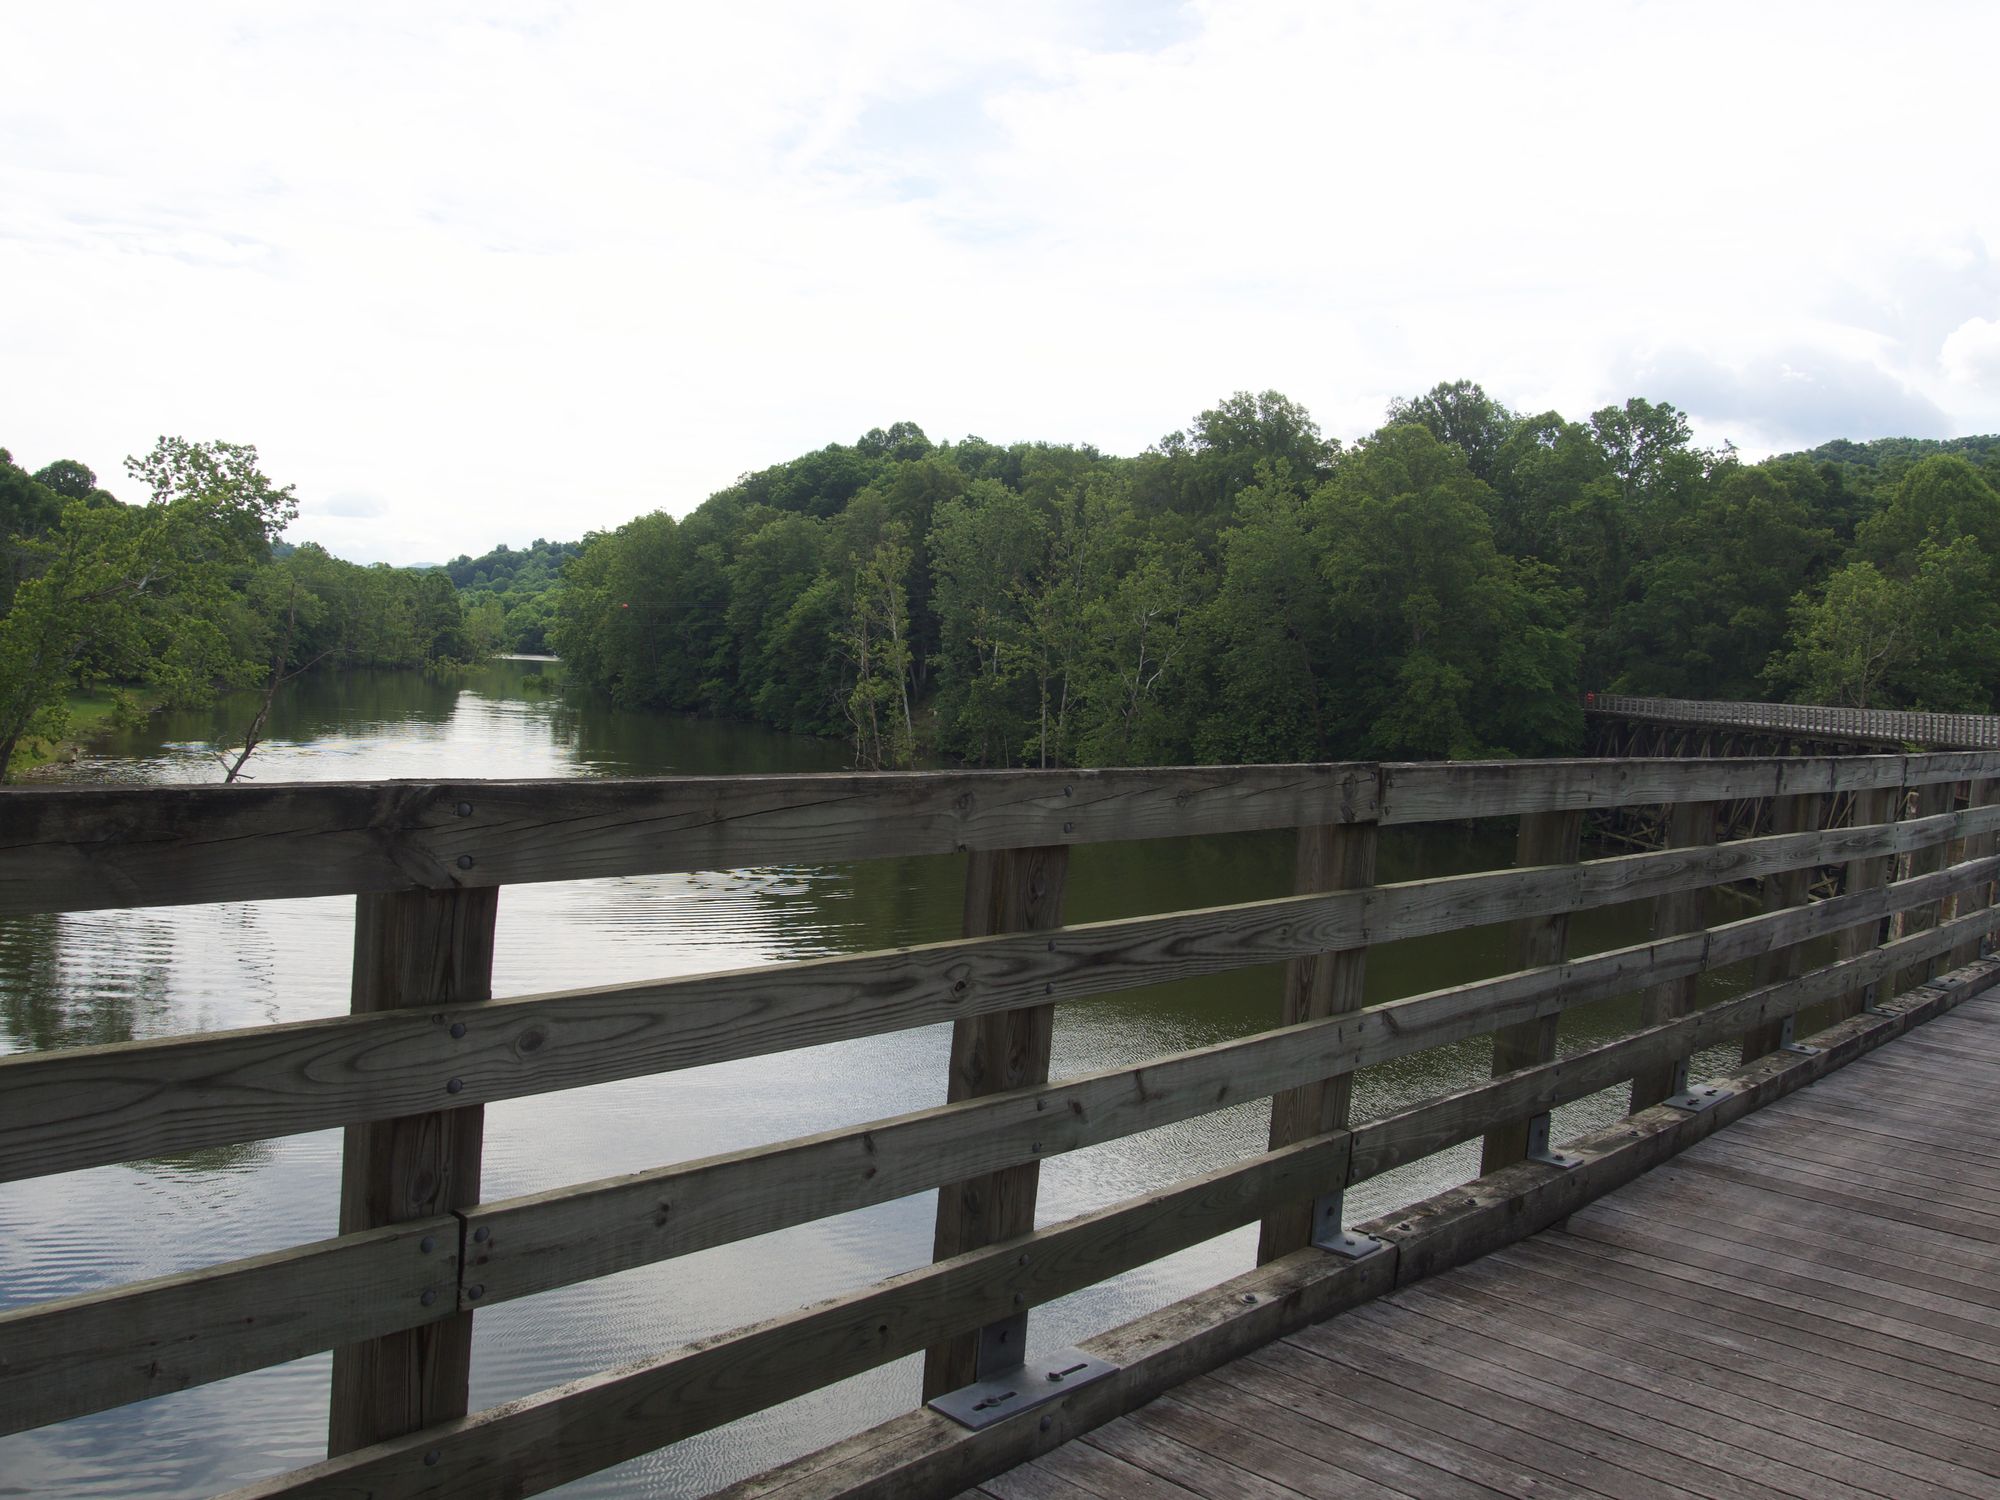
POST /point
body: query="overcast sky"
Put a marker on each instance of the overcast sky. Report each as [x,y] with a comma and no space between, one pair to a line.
[471,274]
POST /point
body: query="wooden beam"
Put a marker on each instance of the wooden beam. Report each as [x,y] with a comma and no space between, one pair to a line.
[922,1453]
[1931,798]
[550,1239]
[85,1106]
[1877,805]
[1984,792]
[77,1355]
[1544,839]
[1690,825]
[74,1355]
[1329,857]
[548,1439]
[82,848]
[1017,890]
[1796,813]
[412,950]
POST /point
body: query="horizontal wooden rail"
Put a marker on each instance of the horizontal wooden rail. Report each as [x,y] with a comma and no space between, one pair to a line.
[562,1434]
[1439,1124]
[88,1106]
[82,1354]
[541,1441]
[377,1292]
[85,848]
[77,849]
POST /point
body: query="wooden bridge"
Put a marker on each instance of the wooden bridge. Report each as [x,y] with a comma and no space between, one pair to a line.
[1709,727]
[1803,1303]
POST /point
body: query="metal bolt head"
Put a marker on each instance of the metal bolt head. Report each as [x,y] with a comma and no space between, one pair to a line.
[465,861]
[465,809]
[474,1293]
[1046,1424]
[454,1086]
[431,1458]
[481,1235]
[427,1244]
[428,1296]
[457,1030]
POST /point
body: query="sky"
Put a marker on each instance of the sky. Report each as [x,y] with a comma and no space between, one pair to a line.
[469,274]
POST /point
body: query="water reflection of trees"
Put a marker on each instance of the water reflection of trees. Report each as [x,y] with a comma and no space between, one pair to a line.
[47,1002]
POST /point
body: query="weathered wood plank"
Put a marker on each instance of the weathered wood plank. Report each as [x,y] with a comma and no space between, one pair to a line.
[82,848]
[1544,839]
[90,1105]
[1329,857]
[1790,814]
[923,1453]
[1931,799]
[1690,825]
[412,949]
[1412,1134]
[1014,890]
[1434,791]
[1982,792]
[551,1239]
[543,1240]
[82,1354]
[1875,806]
[548,1439]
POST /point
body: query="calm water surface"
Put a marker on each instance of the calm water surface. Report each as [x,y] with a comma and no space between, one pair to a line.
[111,976]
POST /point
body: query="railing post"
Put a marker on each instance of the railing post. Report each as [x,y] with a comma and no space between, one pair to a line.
[1798,812]
[1006,890]
[1551,838]
[1931,799]
[1690,825]
[1872,806]
[1336,857]
[1983,793]
[412,950]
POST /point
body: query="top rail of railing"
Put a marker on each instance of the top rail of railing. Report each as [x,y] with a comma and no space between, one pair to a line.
[89,848]
[1861,725]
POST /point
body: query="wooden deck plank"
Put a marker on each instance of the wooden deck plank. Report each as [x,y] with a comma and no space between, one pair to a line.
[1672,1427]
[1349,1436]
[1762,1369]
[1547,1418]
[1852,1242]
[1739,1412]
[1584,1457]
[1896,1358]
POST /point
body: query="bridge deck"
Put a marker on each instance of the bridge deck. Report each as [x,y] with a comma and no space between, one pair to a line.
[1805,1304]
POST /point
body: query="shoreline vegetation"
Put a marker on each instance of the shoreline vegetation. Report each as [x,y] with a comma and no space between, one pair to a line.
[1244,590]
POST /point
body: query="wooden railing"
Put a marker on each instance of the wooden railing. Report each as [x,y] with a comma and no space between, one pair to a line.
[1859,725]
[395,1292]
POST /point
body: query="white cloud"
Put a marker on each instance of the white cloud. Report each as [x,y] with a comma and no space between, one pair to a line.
[1971,354]
[533,271]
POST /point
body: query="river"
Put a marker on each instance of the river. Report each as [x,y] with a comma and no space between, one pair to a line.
[111,976]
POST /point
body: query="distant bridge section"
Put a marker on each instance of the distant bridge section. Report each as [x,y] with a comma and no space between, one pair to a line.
[1804,722]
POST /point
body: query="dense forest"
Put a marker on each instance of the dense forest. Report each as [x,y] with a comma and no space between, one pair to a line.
[187,592]
[1248,589]
[509,594]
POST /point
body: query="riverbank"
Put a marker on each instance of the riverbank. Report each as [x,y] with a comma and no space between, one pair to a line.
[93,713]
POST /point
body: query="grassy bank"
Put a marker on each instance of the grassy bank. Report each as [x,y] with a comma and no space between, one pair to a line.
[92,712]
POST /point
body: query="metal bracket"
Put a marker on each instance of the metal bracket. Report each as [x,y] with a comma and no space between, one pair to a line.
[1023,1388]
[1538,1146]
[1786,1042]
[1328,1233]
[1701,1096]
